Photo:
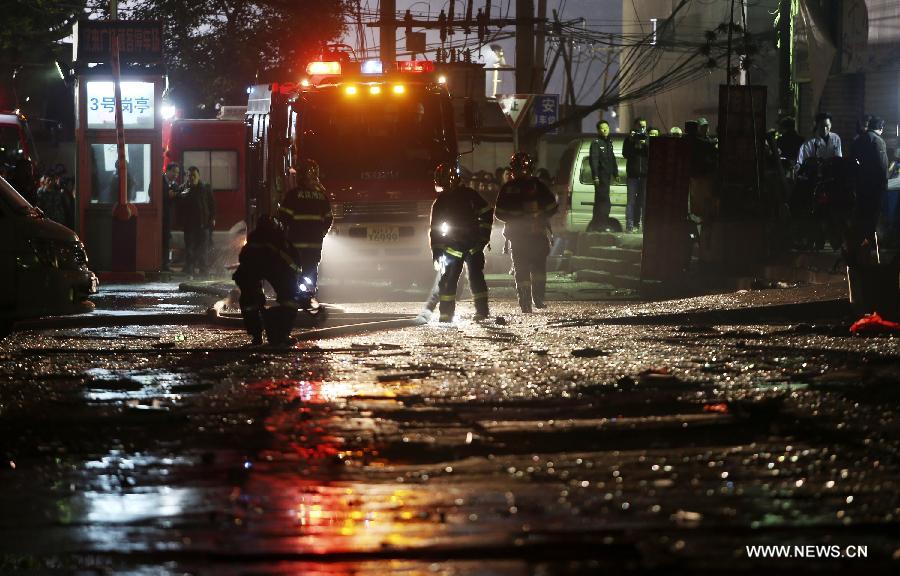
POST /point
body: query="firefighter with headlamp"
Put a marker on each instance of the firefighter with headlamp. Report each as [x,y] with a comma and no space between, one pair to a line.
[307,218]
[461,223]
[268,256]
[526,205]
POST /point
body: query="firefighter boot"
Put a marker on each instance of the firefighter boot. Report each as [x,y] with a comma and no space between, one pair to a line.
[447,307]
[481,307]
[539,290]
[278,321]
[524,291]
[253,323]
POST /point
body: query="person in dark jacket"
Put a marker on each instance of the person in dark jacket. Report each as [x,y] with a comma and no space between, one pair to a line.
[307,218]
[461,222]
[526,205]
[871,154]
[635,150]
[604,170]
[170,190]
[789,140]
[199,218]
[268,256]
[52,200]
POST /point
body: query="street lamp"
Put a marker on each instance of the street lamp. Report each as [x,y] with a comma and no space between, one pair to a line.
[501,62]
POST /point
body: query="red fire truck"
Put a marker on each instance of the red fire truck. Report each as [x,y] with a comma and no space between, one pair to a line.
[217,148]
[377,137]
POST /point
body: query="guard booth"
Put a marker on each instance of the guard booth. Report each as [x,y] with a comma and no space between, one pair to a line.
[130,241]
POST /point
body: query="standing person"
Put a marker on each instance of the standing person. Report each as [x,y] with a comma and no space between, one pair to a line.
[604,170]
[52,201]
[823,145]
[526,205]
[199,218]
[170,189]
[306,215]
[635,151]
[871,154]
[461,222]
[268,256]
[112,189]
[788,139]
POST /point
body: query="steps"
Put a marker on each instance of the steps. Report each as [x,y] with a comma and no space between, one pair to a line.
[608,258]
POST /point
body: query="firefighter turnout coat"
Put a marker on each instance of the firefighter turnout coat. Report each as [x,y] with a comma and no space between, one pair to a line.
[461,221]
[306,216]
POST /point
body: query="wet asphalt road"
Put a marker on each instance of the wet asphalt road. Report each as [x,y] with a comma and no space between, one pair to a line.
[555,443]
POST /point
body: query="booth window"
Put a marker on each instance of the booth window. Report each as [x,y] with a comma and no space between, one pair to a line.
[105,177]
[218,168]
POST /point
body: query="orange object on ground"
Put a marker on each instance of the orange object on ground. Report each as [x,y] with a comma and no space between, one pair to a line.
[873,323]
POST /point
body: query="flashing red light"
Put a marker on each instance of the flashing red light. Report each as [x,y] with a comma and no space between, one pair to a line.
[323,68]
[415,66]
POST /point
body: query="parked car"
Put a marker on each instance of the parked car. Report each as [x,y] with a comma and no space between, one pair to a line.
[43,264]
[575,184]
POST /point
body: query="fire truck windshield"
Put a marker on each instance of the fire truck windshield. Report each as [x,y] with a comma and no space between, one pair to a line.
[384,137]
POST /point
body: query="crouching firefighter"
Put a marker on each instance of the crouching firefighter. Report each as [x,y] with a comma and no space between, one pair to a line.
[461,223]
[526,205]
[306,215]
[268,255]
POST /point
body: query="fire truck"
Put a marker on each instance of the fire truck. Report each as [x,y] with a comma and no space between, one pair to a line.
[217,148]
[377,135]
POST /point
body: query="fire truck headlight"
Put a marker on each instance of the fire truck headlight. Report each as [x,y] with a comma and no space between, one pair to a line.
[445,228]
[399,88]
[350,90]
[374,89]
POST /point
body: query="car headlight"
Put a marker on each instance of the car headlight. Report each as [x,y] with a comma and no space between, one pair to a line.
[52,254]
[70,255]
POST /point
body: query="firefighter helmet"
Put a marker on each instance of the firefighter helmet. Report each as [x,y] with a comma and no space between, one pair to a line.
[446,176]
[268,225]
[522,164]
[309,169]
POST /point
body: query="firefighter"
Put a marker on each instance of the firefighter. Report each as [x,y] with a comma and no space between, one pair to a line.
[526,205]
[461,223]
[268,255]
[306,215]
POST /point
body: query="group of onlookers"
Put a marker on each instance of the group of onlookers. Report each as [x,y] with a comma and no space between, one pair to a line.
[849,179]
[53,192]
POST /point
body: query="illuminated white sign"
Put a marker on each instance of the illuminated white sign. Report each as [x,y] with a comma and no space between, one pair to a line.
[137,105]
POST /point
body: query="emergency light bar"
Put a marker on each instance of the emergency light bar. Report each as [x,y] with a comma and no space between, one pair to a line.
[415,66]
[372,67]
[323,68]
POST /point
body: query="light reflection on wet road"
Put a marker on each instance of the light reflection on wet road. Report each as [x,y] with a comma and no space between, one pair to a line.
[523,447]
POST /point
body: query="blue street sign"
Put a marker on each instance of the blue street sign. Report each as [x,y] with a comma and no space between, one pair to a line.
[545,110]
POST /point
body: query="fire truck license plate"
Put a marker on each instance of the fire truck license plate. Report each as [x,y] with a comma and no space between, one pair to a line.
[383,233]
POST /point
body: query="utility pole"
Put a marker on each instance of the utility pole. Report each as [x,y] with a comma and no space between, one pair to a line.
[785,52]
[388,35]
[539,46]
[524,46]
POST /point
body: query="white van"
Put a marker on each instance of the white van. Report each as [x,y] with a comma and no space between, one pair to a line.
[575,184]
[43,264]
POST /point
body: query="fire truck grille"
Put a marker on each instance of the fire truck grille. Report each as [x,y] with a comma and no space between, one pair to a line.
[380,210]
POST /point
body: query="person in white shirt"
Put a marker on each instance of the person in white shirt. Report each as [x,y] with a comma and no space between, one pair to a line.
[824,144]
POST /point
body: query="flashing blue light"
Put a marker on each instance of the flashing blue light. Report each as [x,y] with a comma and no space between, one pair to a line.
[372,67]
